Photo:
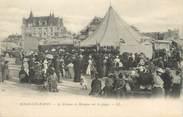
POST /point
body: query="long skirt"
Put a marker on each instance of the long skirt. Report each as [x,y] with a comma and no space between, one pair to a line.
[53,86]
[88,70]
[5,75]
[157,92]
[58,73]
[176,90]
[77,74]
[104,70]
[71,72]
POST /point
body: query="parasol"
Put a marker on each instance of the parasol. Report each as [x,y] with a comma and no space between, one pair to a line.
[49,56]
[53,50]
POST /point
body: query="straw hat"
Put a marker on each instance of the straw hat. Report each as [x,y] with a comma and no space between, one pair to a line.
[133,73]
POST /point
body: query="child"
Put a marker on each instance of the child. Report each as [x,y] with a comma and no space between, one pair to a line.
[83,83]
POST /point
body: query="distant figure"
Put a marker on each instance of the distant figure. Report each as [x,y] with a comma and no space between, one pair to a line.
[5,71]
[88,70]
[77,69]
[57,66]
[26,65]
[23,76]
[117,62]
[52,81]
[70,67]
[167,78]
[105,66]
[83,83]
[96,87]
[45,66]
[1,68]
[176,87]
[158,89]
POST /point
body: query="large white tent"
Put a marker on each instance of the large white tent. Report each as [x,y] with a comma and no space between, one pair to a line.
[111,31]
[114,31]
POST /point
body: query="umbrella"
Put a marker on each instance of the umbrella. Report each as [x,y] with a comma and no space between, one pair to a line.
[49,56]
[61,50]
[53,50]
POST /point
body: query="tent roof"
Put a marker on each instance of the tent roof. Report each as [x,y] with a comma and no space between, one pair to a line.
[112,31]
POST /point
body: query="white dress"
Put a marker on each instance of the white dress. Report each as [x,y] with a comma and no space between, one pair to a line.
[88,70]
[116,60]
[45,64]
[26,67]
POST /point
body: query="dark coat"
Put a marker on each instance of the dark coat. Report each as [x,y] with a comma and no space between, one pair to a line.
[77,70]
[96,87]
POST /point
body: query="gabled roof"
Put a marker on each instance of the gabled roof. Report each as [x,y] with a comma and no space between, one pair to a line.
[112,31]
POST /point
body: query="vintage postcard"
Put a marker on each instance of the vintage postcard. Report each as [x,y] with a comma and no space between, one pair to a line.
[91,58]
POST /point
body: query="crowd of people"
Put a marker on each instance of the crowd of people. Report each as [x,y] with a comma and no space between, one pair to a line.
[123,74]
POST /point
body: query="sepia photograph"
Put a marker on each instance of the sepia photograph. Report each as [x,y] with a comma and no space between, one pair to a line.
[90,58]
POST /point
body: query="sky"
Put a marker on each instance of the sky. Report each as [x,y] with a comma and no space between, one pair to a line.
[146,15]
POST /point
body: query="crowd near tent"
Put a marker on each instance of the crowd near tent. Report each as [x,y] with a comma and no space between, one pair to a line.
[115,32]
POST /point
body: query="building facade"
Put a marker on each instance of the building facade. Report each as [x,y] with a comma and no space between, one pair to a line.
[44,27]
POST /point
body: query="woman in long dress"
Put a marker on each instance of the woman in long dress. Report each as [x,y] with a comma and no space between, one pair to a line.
[176,84]
[77,69]
[158,89]
[105,66]
[1,74]
[70,67]
[52,81]
[45,66]
[88,70]
[26,66]
[5,71]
